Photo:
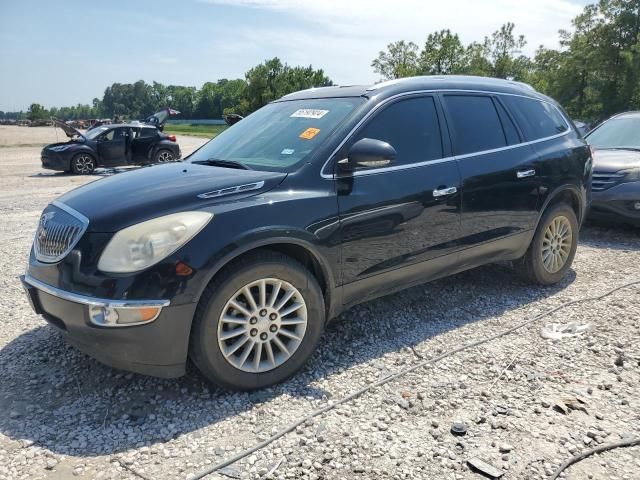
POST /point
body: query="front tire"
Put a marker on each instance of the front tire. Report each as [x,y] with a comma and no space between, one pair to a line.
[83,164]
[258,322]
[553,247]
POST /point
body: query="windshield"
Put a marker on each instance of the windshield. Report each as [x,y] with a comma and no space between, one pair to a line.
[623,132]
[96,132]
[280,135]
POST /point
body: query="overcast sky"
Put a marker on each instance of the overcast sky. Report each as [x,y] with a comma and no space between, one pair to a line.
[63,53]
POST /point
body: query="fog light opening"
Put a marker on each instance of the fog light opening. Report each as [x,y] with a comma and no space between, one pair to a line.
[114,317]
[636,206]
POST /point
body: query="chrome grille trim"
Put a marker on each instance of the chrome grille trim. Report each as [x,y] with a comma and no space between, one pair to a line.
[603,180]
[229,190]
[56,235]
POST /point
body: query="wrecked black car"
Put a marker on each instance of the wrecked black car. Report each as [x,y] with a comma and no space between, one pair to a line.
[109,146]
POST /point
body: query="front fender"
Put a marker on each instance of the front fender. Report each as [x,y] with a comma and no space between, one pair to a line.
[263,237]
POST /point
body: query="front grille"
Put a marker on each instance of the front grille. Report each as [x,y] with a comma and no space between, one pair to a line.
[58,231]
[603,180]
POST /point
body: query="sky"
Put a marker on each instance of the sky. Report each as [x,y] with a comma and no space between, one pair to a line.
[60,53]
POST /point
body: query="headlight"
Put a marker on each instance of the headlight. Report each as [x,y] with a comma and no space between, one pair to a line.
[59,148]
[140,246]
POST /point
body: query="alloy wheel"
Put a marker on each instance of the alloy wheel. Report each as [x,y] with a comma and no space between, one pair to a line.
[165,156]
[84,164]
[262,325]
[556,244]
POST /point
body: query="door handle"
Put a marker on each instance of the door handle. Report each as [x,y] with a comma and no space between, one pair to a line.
[526,173]
[444,192]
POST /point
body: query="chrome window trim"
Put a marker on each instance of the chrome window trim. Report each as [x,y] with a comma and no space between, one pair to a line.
[92,301]
[372,171]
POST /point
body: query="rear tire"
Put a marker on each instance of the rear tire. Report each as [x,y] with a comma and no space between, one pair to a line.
[553,247]
[163,156]
[243,343]
[83,164]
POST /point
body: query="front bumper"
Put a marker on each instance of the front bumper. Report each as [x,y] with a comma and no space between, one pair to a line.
[617,204]
[157,348]
[54,161]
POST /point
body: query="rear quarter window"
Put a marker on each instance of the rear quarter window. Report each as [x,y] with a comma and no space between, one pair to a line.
[537,119]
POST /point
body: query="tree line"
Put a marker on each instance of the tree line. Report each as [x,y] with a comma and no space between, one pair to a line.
[261,84]
[594,73]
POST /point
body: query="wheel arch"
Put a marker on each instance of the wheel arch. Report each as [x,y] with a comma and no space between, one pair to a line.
[569,194]
[300,250]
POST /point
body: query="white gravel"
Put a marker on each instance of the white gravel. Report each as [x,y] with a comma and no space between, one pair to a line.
[63,415]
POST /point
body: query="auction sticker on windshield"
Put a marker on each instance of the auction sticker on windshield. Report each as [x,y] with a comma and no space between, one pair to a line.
[309,133]
[309,113]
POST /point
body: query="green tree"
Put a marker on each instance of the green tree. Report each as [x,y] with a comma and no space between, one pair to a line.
[443,54]
[273,79]
[504,51]
[400,59]
[37,112]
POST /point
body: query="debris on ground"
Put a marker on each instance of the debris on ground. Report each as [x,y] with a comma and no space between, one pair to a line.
[566,404]
[485,468]
[555,331]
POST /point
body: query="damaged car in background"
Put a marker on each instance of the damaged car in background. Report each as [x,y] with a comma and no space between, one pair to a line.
[616,169]
[117,145]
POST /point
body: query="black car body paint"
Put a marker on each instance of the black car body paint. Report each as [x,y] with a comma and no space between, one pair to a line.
[364,234]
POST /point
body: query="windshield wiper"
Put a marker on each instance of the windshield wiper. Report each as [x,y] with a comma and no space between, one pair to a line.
[216,162]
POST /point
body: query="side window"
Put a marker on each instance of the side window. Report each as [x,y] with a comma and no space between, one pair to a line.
[411,127]
[109,135]
[510,130]
[537,119]
[147,132]
[476,125]
[120,133]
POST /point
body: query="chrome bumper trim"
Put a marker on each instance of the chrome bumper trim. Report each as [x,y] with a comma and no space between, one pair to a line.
[92,301]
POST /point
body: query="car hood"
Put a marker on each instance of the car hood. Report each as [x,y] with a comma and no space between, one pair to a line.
[70,142]
[116,202]
[615,160]
[67,129]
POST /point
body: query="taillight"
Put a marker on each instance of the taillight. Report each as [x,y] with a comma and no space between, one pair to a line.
[172,138]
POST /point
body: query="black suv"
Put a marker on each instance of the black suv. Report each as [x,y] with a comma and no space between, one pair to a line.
[325,198]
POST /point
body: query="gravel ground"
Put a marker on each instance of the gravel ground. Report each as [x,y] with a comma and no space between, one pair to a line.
[63,415]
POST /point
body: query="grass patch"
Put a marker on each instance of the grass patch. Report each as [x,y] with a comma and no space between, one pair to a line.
[208,131]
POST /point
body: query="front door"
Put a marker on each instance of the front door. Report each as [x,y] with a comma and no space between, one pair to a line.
[396,220]
[113,147]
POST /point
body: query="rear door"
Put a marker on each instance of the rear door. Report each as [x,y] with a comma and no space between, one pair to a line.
[112,147]
[396,220]
[142,144]
[500,186]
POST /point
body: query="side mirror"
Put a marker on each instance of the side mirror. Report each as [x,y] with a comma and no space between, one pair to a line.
[368,153]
